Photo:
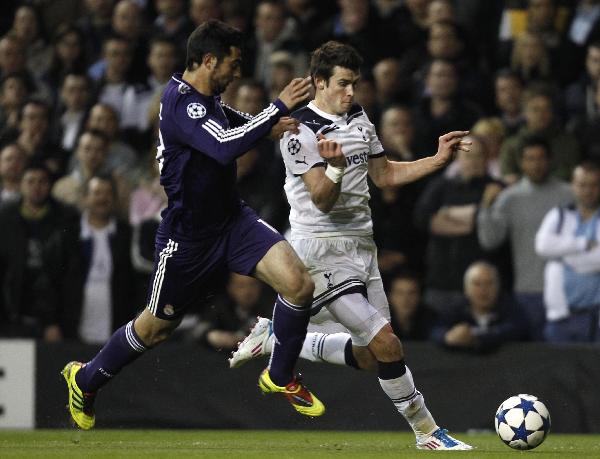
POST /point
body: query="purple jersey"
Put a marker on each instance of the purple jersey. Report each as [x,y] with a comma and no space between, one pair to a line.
[199,140]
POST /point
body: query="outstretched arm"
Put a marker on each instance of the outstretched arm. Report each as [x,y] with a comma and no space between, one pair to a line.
[386,173]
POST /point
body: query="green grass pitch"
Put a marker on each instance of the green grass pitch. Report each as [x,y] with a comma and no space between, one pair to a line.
[229,444]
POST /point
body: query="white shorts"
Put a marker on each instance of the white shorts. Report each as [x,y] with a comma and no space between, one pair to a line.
[341,266]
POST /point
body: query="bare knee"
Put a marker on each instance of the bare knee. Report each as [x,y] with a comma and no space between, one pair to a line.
[152,330]
[365,358]
[385,346]
[300,290]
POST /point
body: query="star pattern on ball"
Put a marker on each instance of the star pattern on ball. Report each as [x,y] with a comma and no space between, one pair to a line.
[521,432]
[501,416]
[526,406]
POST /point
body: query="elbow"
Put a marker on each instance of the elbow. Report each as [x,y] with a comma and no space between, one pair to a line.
[323,206]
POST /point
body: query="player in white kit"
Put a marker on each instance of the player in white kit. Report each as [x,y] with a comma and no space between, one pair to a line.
[327,164]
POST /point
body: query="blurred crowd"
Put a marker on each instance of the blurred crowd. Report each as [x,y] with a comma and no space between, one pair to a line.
[500,246]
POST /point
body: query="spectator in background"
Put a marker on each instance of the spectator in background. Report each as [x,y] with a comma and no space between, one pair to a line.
[226,322]
[490,131]
[274,31]
[410,24]
[121,158]
[128,22]
[586,128]
[411,319]
[90,268]
[440,10]
[538,110]
[486,320]
[28,28]
[15,89]
[202,10]
[162,60]
[34,136]
[95,26]
[515,213]
[27,226]
[390,85]
[12,166]
[75,97]
[530,59]
[447,211]
[67,57]
[13,57]
[111,74]
[399,242]
[508,94]
[282,72]
[172,21]
[441,109]
[568,238]
[579,96]
[397,134]
[91,151]
[250,97]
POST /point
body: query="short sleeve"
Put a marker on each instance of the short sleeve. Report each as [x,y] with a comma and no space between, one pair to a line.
[299,151]
[375,147]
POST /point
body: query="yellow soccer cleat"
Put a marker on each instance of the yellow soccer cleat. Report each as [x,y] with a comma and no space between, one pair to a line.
[303,401]
[81,405]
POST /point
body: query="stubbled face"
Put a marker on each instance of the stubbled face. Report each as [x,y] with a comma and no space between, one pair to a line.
[336,95]
[226,70]
[535,163]
[586,188]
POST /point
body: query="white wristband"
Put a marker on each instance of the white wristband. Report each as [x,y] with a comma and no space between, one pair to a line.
[334,173]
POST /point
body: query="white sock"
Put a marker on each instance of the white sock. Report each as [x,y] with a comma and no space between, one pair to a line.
[325,347]
[410,403]
[320,347]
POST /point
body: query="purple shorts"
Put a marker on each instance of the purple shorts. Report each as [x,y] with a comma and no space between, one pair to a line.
[184,271]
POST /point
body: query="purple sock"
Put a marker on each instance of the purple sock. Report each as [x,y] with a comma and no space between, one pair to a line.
[123,347]
[289,327]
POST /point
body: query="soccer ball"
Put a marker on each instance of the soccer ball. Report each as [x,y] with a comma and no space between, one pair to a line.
[522,421]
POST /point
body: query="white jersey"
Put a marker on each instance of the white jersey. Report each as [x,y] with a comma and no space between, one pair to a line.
[350,215]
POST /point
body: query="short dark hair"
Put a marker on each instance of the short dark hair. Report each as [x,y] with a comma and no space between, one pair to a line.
[214,37]
[93,132]
[535,141]
[330,54]
[103,177]
[38,165]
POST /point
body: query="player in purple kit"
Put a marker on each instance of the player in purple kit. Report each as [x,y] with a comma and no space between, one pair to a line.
[207,227]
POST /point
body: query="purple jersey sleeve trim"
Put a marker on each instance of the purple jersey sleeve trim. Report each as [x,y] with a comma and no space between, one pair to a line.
[282,107]
[225,145]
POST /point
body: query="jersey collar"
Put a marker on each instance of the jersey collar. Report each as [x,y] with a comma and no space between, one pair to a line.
[326,115]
